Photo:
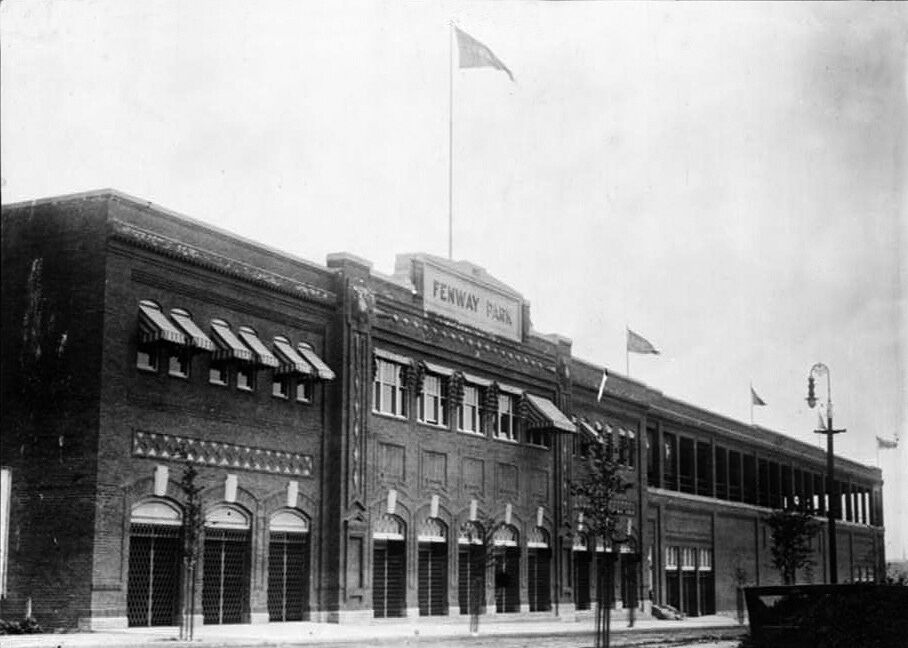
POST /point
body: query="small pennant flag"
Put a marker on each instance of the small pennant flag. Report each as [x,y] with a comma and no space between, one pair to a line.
[755,399]
[474,54]
[602,385]
[639,344]
[821,420]
[886,444]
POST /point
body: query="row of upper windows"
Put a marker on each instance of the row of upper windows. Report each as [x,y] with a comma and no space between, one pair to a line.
[620,442]
[170,342]
[391,396]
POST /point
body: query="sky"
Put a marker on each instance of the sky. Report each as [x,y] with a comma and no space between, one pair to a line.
[728,180]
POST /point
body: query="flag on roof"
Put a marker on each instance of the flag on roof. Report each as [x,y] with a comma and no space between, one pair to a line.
[602,384]
[754,398]
[886,444]
[638,344]
[474,54]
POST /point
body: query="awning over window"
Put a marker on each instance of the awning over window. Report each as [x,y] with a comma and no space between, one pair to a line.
[263,356]
[589,430]
[510,389]
[291,361]
[197,338]
[324,371]
[476,380]
[390,356]
[544,414]
[438,370]
[155,327]
[229,345]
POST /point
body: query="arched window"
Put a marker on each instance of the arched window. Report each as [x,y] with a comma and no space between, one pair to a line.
[505,540]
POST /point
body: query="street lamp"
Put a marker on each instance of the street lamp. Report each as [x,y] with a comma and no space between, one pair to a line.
[834,504]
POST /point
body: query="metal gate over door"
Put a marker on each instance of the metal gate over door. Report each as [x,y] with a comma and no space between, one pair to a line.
[471,578]
[582,567]
[389,594]
[539,579]
[152,591]
[433,578]
[507,569]
[288,567]
[225,574]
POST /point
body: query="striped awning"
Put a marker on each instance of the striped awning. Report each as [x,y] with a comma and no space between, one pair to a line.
[476,380]
[510,389]
[291,361]
[229,345]
[390,356]
[321,369]
[544,414]
[155,327]
[263,356]
[438,370]
[196,336]
[589,430]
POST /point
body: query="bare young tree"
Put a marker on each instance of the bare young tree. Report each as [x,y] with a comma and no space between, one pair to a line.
[792,531]
[193,525]
[598,497]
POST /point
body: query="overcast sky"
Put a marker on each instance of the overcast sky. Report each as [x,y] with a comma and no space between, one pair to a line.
[728,180]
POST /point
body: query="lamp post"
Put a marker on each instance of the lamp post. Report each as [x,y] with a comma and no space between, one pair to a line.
[834,504]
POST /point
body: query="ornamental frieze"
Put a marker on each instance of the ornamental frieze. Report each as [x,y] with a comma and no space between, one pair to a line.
[217,454]
[213,261]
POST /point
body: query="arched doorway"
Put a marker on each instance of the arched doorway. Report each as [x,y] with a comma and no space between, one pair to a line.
[582,566]
[507,569]
[153,581]
[433,568]
[225,576]
[539,570]
[471,568]
[389,567]
[288,566]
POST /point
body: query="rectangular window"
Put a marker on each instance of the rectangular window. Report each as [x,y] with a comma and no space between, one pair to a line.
[245,377]
[686,461]
[749,480]
[631,449]
[280,387]
[390,395]
[704,469]
[217,374]
[147,359]
[763,480]
[178,363]
[539,438]
[734,476]
[468,414]
[652,455]
[622,446]
[6,483]
[671,557]
[670,459]
[505,428]
[433,406]
[304,391]
[688,558]
[721,473]
[705,560]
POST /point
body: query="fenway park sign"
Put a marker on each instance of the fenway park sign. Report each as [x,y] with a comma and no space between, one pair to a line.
[471,302]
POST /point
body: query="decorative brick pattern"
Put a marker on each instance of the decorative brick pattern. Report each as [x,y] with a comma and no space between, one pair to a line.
[153,445]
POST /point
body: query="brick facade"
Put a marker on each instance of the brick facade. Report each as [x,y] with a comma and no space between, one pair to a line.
[86,432]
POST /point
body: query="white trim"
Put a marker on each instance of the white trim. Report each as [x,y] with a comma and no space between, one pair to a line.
[390,356]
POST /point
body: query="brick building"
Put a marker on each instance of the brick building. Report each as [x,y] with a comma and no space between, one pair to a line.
[355,434]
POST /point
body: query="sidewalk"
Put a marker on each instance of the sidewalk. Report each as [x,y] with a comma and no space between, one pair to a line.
[375,632]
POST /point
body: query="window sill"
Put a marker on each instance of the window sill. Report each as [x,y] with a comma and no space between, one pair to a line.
[147,369]
[178,375]
[480,435]
[248,390]
[506,440]
[434,426]
[217,384]
[394,417]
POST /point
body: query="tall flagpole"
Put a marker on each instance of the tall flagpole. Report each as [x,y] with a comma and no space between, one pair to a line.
[451,142]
